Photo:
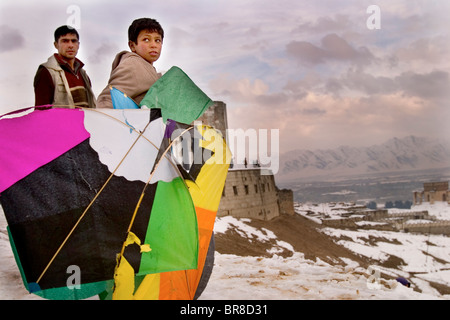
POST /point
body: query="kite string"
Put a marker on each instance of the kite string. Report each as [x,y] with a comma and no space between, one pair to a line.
[145,187]
[90,204]
[132,128]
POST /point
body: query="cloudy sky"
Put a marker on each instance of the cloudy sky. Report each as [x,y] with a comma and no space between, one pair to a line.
[312,69]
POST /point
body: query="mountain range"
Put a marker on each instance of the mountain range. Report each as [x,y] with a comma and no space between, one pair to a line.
[395,155]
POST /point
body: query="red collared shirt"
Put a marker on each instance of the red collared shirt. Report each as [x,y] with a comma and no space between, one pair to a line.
[45,88]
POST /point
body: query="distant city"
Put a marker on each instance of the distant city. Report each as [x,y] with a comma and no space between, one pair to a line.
[380,188]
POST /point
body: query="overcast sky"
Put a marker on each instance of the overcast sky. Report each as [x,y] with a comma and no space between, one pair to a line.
[312,69]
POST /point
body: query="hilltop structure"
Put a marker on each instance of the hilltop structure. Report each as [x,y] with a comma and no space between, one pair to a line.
[250,191]
[433,191]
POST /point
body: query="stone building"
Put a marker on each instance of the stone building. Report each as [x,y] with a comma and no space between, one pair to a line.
[286,201]
[216,117]
[432,192]
[249,192]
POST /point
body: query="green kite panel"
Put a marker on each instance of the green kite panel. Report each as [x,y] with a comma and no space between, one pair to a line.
[178,97]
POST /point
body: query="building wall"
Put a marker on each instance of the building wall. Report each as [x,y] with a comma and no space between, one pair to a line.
[435,186]
[433,191]
[286,201]
[438,227]
[216,117]
[249,194]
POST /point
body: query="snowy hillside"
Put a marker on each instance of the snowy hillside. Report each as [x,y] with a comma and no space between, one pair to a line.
[288,259]
[410,153]
[422,259]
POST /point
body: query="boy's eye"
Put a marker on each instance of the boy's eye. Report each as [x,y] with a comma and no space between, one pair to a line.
[157,40]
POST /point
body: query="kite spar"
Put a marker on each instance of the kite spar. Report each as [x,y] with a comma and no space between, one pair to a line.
[71,183]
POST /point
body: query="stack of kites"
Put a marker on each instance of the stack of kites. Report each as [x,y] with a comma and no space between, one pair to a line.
[120,202]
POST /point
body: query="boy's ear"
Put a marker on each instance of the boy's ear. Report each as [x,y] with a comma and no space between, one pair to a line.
[132,46]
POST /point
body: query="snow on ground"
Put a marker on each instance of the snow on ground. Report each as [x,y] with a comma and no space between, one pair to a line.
[242,228]
[248,278]
[426,258]
[294,278]
[11,285]
[439,209]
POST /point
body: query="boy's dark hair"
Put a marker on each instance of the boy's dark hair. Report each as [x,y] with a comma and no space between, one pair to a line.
[63,30]
[144,24]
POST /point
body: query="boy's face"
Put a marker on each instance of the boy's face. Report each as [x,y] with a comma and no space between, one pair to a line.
[67,46]
[148,46]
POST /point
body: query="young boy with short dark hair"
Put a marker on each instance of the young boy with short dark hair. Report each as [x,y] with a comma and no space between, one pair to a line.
[133,72]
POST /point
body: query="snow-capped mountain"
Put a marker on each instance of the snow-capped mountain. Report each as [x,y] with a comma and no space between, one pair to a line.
[410,153]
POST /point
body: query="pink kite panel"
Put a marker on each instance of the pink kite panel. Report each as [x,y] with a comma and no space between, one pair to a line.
[33,140]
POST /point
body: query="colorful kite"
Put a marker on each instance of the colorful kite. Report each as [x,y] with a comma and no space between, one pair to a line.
[97,203]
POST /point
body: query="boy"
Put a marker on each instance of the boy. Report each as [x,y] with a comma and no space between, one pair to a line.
[62,81]
[133,72]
